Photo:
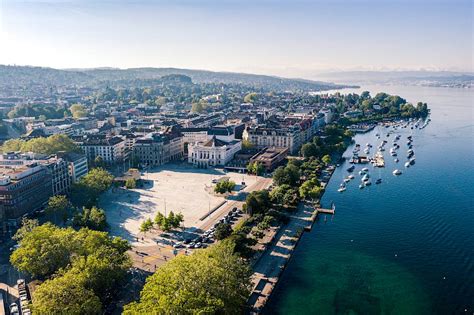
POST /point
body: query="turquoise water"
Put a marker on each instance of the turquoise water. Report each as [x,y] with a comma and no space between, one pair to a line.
[405,246]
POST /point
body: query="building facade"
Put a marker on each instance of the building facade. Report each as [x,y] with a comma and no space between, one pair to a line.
[156,149]
[109,149]
[213,152]
[23,189]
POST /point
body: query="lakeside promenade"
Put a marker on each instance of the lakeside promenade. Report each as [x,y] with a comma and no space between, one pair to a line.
[270,265]
[272,262]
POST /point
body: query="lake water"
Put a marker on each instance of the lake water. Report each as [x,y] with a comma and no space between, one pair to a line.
[405,246]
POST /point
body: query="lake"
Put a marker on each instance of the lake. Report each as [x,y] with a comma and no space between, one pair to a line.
[405,246]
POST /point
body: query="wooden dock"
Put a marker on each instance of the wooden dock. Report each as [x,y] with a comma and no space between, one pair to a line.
[326,211]
[315,214]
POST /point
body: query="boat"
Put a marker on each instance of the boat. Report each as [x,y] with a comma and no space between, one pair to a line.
[378,181]
[366,177]
[361,173]
[365,169]
[342,185]
[351,176]
[361,186]
[412,161]
[396,160]
[368,183]
[397,172]
[341,189]
[407,164]
[346,180]
[351,169]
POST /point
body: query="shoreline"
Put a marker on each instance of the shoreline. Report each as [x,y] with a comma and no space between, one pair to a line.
[267,275]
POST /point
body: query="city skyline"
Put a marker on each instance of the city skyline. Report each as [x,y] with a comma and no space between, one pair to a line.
[297,39]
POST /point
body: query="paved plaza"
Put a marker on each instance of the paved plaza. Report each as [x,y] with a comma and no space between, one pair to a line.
[171,187]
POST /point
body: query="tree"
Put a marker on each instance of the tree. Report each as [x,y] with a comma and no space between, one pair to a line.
[47,248]
[257,202]
[66,295]
[131,183]
[250,97]
[78,111]
[98,161]
[93,218]
[50,145]
[255,168]
[326,159]
[58,205]
[309,150]
[159,218]
[198,107]
[310,189]
[27,225]
[223,230]
[224,186]
[87,190]
[178,219]
[246,144]
[12,145]
[212,280]
[146,225]
[289,175]
[43,251]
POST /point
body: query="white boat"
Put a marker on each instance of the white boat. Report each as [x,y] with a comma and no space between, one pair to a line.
[365,169]
[407,164]
[351,176]
[396,160]
[368,183]
[361,186]
[366,177]
[397,172]
[361,172]
[341,189]
[346,180]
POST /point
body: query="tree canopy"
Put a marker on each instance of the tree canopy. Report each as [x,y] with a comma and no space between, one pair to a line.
[82,267]
[212,280]
[50,145]
[78,111]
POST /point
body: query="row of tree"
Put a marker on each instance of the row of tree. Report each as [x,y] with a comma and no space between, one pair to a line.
[164,223]
[50,145]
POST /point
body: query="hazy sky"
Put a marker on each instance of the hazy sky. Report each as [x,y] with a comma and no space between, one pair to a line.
[291,38]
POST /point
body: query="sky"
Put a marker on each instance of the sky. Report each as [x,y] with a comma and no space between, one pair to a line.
[290,38]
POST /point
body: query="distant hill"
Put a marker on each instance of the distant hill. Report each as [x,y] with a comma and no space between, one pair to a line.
[24,75]
[425,78]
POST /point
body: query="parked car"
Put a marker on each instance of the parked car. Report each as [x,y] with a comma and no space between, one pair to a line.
[198,245]
[14,309]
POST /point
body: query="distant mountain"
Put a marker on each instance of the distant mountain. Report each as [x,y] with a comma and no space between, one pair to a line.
[425,78]
[12,76]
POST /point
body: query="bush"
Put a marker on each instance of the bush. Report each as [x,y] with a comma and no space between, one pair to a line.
[223,230]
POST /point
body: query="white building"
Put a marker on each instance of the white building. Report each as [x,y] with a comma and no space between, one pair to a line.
[212,152]
[109,149]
